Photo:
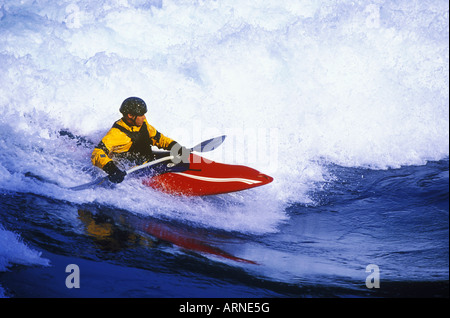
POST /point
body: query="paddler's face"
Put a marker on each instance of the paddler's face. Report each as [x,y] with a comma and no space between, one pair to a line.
[136,120]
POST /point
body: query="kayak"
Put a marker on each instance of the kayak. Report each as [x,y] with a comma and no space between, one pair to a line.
[197,177]
[202,177]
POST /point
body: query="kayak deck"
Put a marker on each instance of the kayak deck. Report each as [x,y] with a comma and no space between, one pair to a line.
[207,177]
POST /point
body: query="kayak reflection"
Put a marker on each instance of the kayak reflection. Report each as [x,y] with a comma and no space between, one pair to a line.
[112,231]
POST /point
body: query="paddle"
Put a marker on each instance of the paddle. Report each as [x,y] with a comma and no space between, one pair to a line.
[204,146]
[209,145]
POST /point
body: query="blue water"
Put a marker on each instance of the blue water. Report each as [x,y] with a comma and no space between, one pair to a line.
[396,219]
[345,104]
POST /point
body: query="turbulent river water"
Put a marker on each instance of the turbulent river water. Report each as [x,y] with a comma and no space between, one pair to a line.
[344,103]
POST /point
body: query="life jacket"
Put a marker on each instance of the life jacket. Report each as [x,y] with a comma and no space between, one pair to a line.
[141,148]
[122,142]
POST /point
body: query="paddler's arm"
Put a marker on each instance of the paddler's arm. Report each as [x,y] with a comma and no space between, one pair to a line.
[100,158]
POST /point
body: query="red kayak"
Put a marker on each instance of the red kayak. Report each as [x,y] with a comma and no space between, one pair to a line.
[206,177]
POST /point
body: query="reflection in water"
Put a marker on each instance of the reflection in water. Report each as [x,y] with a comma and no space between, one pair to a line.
[113,231]
[107,235]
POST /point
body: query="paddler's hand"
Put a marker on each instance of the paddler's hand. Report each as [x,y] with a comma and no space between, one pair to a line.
[115,175]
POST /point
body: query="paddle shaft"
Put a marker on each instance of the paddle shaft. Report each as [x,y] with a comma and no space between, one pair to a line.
[204,146]
[148,164]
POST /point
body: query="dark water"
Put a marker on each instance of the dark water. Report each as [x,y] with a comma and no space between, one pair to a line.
[397,219]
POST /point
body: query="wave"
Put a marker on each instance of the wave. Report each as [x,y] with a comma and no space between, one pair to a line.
[296,86]
[13,251]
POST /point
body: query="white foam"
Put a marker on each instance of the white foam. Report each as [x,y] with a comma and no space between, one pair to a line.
[14,251]
[353,83]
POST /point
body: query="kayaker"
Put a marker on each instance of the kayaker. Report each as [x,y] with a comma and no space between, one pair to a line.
[131,138]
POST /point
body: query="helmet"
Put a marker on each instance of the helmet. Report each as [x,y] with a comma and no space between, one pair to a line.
[134,106]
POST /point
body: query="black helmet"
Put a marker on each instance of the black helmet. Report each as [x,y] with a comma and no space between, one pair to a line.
[134,106]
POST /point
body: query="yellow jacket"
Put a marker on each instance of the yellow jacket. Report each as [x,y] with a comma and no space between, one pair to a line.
[122,139]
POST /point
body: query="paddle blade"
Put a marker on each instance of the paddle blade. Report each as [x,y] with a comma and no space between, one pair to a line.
[209,145]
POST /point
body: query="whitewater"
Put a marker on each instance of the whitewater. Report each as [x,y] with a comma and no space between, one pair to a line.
[344,103]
